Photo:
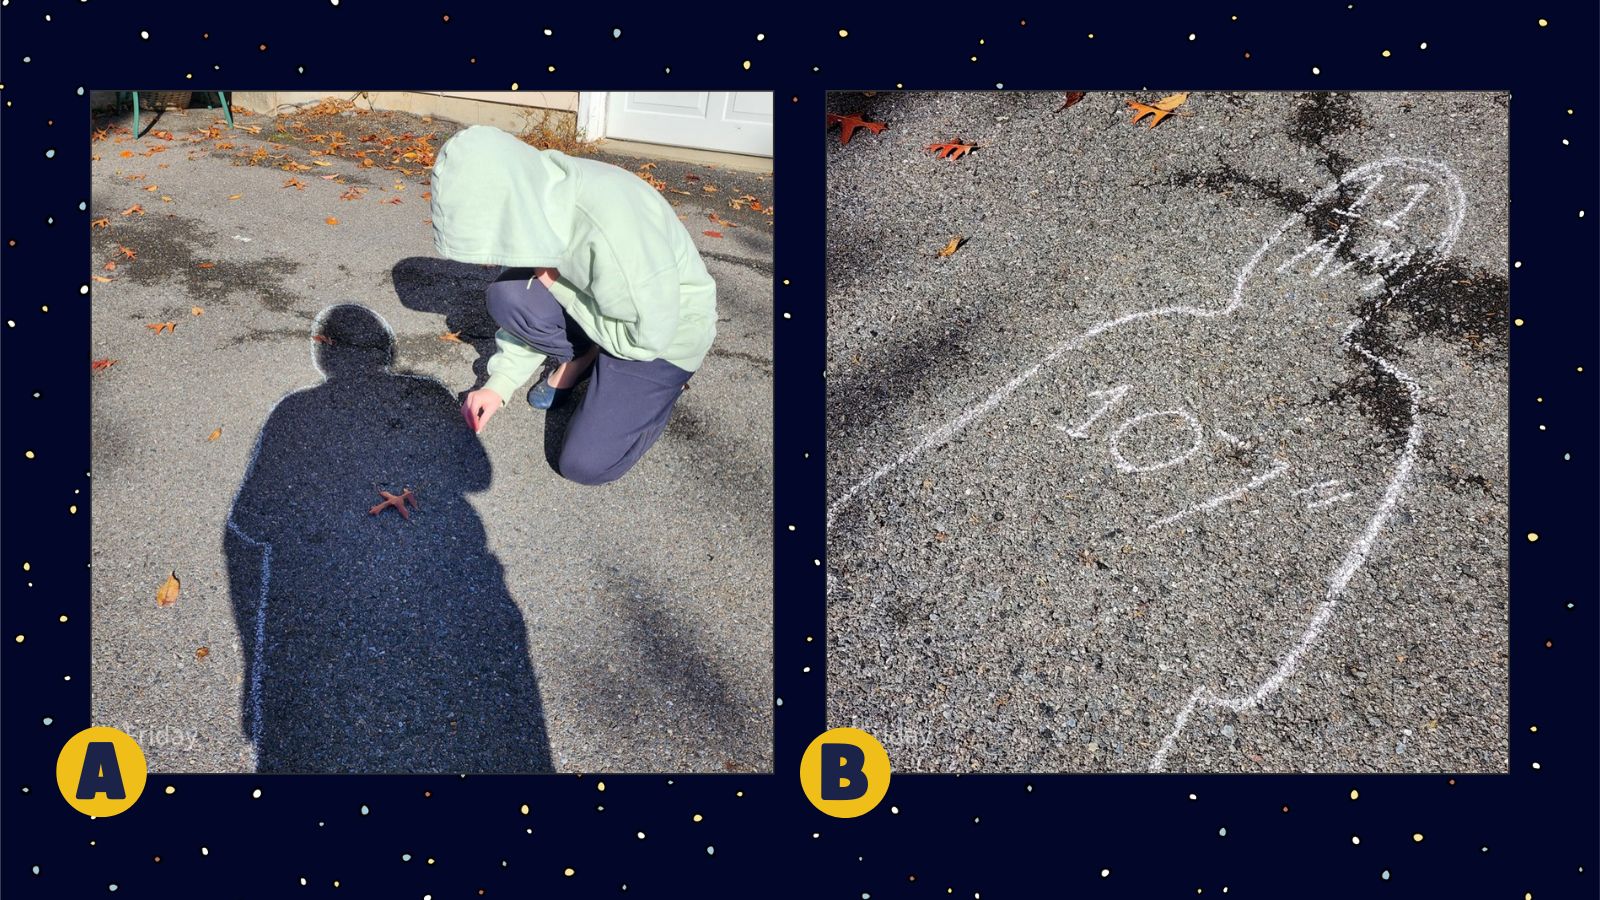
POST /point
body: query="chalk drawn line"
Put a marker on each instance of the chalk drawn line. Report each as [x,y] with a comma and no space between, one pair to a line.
[1288,664]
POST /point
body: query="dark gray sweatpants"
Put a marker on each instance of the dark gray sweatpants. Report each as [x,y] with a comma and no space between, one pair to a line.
[628,401]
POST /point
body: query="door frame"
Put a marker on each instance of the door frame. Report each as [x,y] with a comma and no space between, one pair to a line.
[592,114]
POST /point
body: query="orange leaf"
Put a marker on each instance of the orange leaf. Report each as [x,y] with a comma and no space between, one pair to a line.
[202,653]
[954,245]
[215,434]
[101,364]
[126,153]
[454,336]
[1140,110]
[710,189]
[167,594]
[205,265]
[393,200]
[111,265]
[128,252]
[1071,99]
[398,502]
[136,208]
[235,196]
[101,222]
[153,188]
[322,339]
[849,124]
[332,221]
[951,149]
[102,278]
[159,327]
[197,311]
[295,183]
[715,234]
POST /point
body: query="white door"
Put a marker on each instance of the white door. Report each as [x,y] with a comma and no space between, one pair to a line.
[731,121]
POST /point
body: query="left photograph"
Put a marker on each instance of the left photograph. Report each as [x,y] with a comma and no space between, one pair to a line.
[432,430]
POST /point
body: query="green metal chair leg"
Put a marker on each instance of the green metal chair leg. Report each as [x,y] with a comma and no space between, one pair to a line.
[135,114]
[226,111]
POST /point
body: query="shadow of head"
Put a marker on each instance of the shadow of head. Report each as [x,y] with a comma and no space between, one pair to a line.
[352,342]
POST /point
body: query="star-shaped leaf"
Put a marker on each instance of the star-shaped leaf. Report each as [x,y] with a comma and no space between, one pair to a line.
[849,124]
[398,501]
[951,149]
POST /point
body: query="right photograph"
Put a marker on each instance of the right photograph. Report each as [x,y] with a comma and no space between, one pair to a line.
[1167,431]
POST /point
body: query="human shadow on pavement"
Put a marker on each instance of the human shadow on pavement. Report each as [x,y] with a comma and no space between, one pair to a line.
[454,290]
[375,643]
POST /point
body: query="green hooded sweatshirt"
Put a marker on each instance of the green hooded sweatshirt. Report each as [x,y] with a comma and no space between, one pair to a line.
[629,274]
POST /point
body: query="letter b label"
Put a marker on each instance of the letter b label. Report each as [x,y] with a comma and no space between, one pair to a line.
[845,772]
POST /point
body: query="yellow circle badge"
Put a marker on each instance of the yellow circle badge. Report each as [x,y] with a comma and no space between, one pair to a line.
[845,772]
[101,771]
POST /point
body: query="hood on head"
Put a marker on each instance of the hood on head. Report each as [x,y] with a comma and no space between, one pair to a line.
[498,200]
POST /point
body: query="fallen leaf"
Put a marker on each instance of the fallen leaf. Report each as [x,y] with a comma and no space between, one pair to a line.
[215,434]
[951,149]
[1158,110]
[647,167]
[153,188]
[453,336]
[126,153]
[322,339]
[101,222]
[953,246]
[102,278]
[353,194]
[715,234]
[710,188]
[205,265]
[393,200]
[136,208]
[849,124]
[332,221]
[197,311]
[398,502]
[1172,101]
[235,196]
[165,199]
[427,195]
[202,653]
[101,364]
[168,593]
[111,265]
[320,162]
[690,176]
[1071,99]
[295,183]
[159,327]
[127,252]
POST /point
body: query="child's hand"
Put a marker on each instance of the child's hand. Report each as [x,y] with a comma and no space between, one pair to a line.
[478,407]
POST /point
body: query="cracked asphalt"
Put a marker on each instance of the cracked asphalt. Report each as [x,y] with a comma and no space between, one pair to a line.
[517,621]
[1193,456]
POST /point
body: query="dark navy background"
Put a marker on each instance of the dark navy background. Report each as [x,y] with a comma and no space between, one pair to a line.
[1002,836]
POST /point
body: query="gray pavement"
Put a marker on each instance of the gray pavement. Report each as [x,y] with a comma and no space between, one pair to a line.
[1193,456]
[517,621]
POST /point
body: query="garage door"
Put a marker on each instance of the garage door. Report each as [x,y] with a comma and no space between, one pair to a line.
[734,122]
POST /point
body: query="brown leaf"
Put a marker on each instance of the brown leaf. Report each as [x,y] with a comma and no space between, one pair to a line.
[235,196]
[168,592]
[295,183]
[136,208]
[101,222]
[951,149]
[398,502]
[159,327]
[101,364]
[126,153]
[153,188]
[849,124]
[202,653]
[322,339]
[206,265]
[1071,99]
[215,434]
[353,194]
[709,188]
[332,221]
[111,265]
[196,311]
[452,336]
[127,252]
[1172,101]
[1158,110]
[715,234]
[102,278]
[953,246]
